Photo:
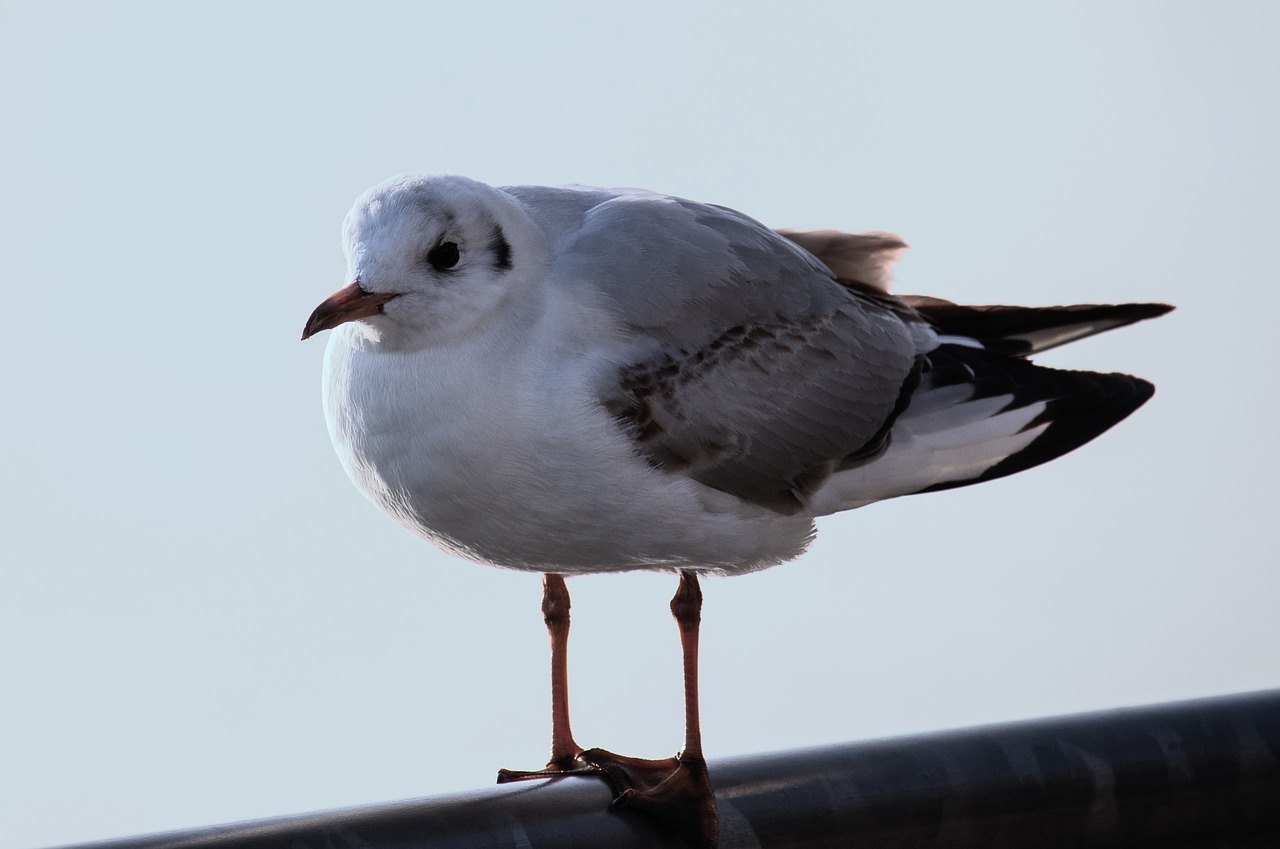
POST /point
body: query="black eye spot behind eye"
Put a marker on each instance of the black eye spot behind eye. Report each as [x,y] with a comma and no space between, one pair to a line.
[443,256]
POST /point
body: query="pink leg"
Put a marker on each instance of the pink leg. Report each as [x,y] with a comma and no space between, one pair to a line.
[675,790]
[686,607]
[564,751]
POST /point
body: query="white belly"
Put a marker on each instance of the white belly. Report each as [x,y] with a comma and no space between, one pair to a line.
[511,462]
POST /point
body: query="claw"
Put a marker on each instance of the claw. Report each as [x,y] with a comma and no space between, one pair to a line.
[552,770]
[676,791]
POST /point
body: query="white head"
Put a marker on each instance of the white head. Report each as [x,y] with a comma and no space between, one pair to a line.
[429,257]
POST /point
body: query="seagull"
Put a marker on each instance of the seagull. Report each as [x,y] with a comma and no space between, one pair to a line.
[572,380]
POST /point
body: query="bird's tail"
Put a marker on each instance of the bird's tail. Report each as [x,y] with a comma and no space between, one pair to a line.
[981,410]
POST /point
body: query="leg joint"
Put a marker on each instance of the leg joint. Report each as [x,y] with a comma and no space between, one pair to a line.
[686,604]
[555,599]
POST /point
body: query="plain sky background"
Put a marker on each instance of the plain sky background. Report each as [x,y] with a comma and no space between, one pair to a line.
[202,621]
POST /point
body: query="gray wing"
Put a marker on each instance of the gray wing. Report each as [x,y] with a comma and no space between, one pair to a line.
[753,370]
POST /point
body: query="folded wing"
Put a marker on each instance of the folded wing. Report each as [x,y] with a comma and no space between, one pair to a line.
[776,367]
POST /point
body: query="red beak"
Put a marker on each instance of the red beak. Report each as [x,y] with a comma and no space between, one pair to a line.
[346,304]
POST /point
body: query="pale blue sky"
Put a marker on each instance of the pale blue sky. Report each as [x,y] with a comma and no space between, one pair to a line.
[202,621]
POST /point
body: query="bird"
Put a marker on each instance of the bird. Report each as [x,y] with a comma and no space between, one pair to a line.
[570,380]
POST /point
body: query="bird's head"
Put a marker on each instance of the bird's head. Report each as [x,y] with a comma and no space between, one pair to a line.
[429,256]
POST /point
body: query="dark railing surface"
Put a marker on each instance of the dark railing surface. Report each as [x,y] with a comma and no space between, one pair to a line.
[1203,773]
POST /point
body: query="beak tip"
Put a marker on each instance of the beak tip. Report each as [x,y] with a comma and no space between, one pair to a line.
[346,304]
[313,326]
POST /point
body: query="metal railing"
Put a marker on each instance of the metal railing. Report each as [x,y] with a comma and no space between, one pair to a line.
[1203,773]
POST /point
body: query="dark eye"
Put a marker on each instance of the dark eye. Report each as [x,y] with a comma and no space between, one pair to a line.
[443,256]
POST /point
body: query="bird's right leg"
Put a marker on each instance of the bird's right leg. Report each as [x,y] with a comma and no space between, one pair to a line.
[564,750]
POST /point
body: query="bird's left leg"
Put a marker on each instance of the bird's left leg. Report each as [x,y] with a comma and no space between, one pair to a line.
[564,750]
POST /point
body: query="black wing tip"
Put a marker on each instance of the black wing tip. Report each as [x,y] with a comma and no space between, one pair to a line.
[1078,419]
[1087,404]
[1013,330]
[1142,312]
